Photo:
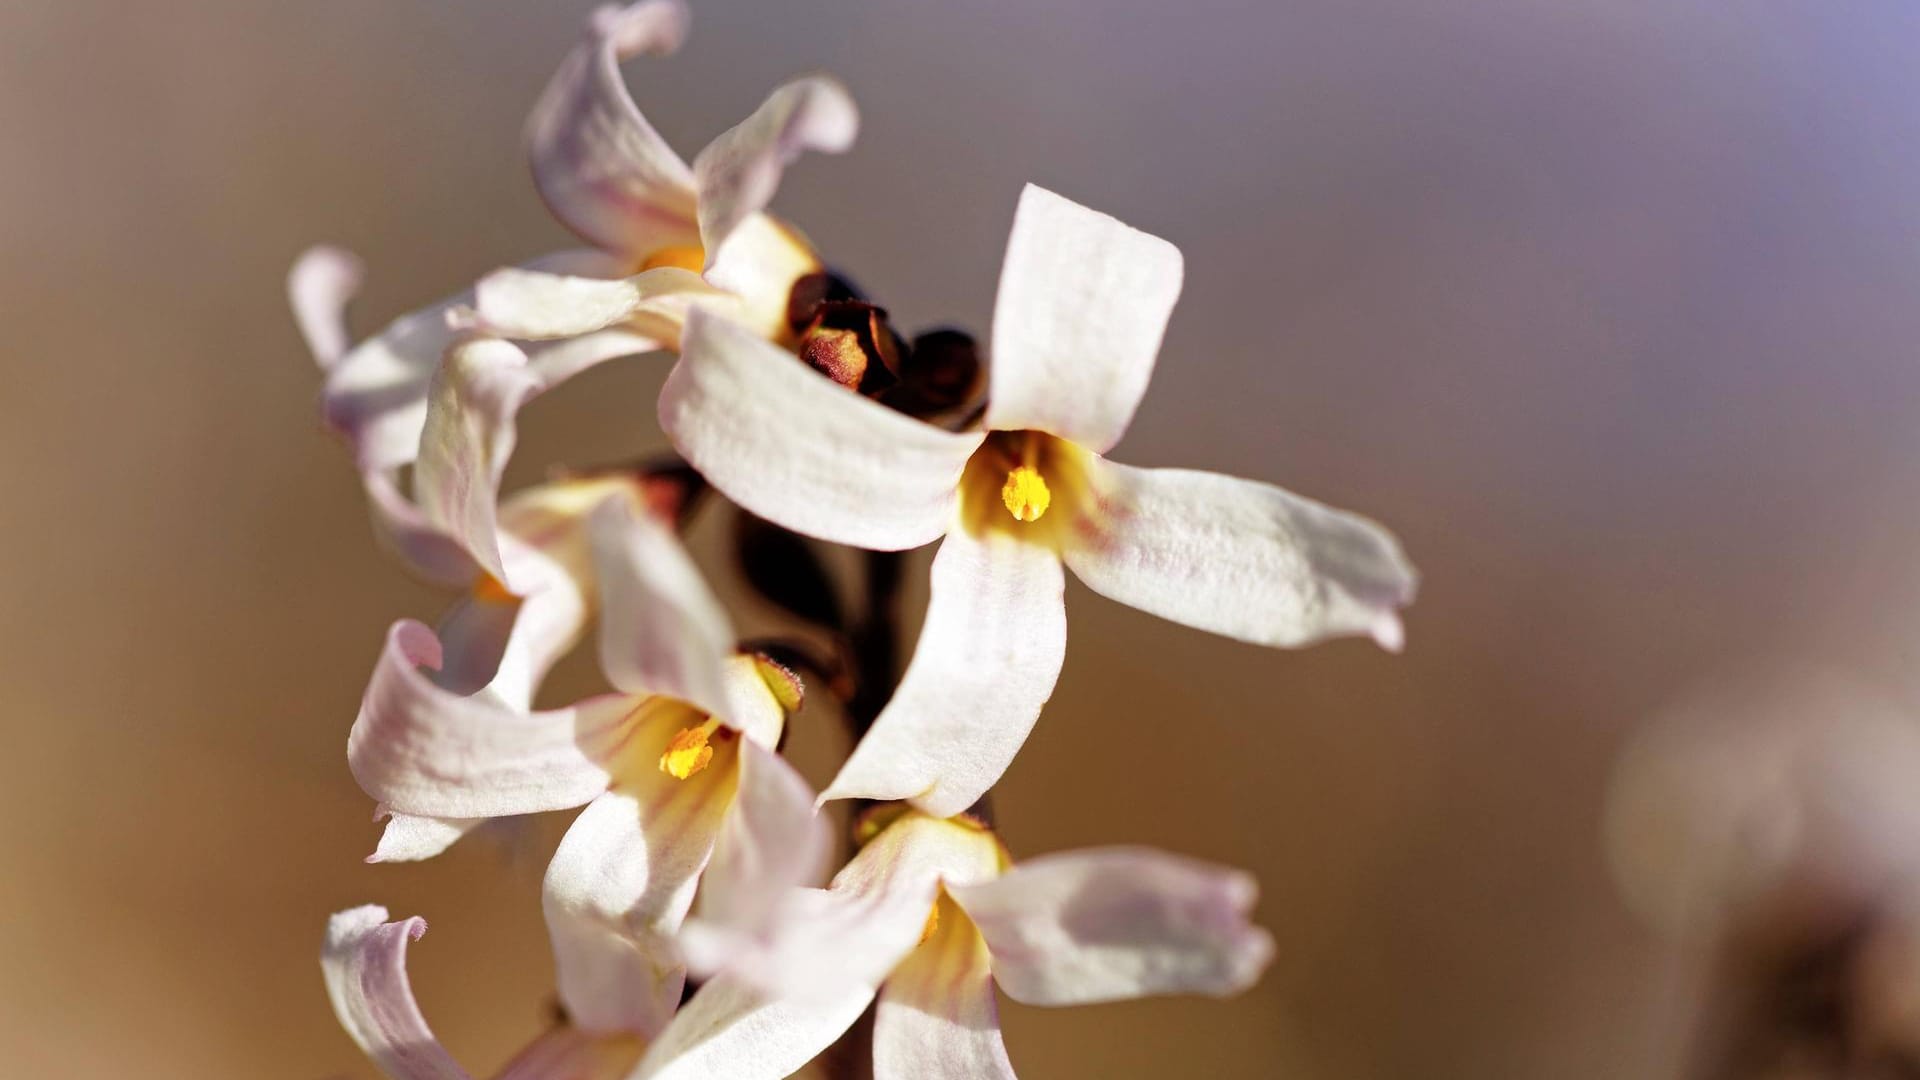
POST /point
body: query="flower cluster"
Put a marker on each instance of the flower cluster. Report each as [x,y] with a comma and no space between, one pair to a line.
[689,936]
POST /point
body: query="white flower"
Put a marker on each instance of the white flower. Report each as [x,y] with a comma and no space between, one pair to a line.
[928,917]
[1082,303]
[681,756]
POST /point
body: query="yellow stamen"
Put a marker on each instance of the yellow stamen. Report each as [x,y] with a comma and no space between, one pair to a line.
[933,923]
[685,256]
[688,753]
[1025,493]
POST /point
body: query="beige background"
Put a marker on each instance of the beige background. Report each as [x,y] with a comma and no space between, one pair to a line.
[1608,309]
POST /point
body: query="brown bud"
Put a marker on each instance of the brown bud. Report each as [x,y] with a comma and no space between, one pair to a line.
[812,290]
[940,371]
[850,342]
[836,354]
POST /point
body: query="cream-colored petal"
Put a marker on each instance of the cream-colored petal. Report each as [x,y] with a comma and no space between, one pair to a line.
[364,962]
[937,1015]
[737,174]
[535,306]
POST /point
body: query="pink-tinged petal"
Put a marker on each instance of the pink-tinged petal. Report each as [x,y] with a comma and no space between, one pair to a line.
[803,452]
[772,841]
[424,751]
[937,1015]
[552,616]
[410,839]
[567,1053]
[661,629]
[319,287]
[1083,303]
[534,305]
[401,527]
[740,1031]
[554,362]
[473,635]
[601,168]
[364,961]
[1239,558]
[1114,923]
[989,655]
[623,878]
[466,441]
[737,174]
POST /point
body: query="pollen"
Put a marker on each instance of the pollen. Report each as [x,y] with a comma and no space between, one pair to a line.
[685,256]
[1025,493]
[688,752]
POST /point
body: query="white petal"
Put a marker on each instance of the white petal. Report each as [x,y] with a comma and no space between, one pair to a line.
[567,1053]
[1116,923]
[424,751]
[323,280]
[533,305]
[737,174]
[937,1015]
[624,876]
[410,839]
[602,169]
[468,437]
[405,530]
[759,264]
[661,629]
[738,1031]
[988,657]
[803,452]
[1239,558]
[1083,302]
[554,362]
[364,961]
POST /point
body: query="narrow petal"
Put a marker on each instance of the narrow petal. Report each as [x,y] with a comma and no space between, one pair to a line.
[802,452]
[737,1030]
[623,878]
[554,362]
[400,526]
[424,751]
[466,441]
[737,174]
[1239,558]
[532,305]
[602,169]
[364,961]
[320,285]
[661,629]
[1083,303]
[989,655]
[937,1015]
[1114,923]
[567,1053]
[410,839]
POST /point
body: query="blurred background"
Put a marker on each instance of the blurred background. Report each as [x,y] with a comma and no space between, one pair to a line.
[1609,310]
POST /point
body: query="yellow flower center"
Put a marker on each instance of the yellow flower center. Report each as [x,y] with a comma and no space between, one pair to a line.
[1025,493]
[685,256]
[688,751]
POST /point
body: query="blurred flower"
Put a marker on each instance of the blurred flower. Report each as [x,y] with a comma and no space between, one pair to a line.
[364,962]
[928,917]
[1083,301]
[660,767]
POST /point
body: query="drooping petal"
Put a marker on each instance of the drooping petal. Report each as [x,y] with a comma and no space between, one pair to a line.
[473,635]
[364,961]
[802,452]
[320,285]
[601,168]
[737,174]
[734,1029]
[1083,303]
[623,878]
[1239,558]
[401,527]
[410,839]
[554,362]
[533,305]
[466,441]
[567,1053]
[1114,923]
[988,657]
[937,1015]
[662,630]
[424,751]
[773,841]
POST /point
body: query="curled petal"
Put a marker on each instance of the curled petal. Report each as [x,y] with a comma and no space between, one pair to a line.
[662,631]
[738,1030]
[802,452]
[602,169]
[937,1015]
[623,878]
[989,654]
[410,839]
[567,1053]
[364,961]
[424,751]
[1116,923]
[320,285]
[534,305]
[1240,558]
[737,174]
[1083,303]
[401,527]
[468,437]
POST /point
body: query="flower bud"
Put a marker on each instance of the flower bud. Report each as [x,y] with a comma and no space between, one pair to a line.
[939,371]
[812,290]
[850,342]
